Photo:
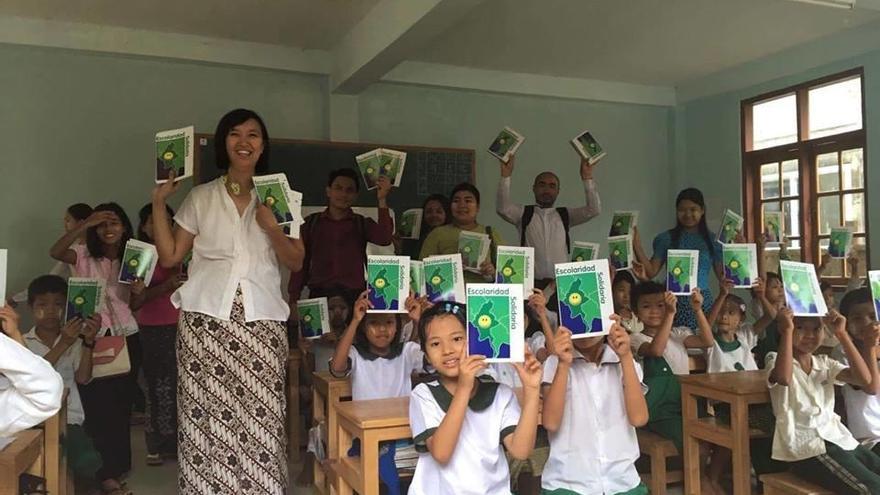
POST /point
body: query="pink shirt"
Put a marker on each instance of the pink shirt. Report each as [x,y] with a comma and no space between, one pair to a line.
[115,313]
[159,311]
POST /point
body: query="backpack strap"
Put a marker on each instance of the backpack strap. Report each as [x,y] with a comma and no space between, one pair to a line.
[563,214]
[528,213]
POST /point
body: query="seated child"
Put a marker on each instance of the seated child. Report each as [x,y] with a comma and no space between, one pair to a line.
[809,435]
[462,425]
[621,288]
[768,341]
[592,388]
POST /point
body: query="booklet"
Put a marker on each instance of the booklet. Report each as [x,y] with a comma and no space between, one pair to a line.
[874,284]
[85,297]
[314,317]
[274,192]
[731,225]
[174,151]
[585,301]
[584,251]
[516,265]
[840,242]
[620,252]
[474,248]
[506,144]
[496,327]
[802,292]
[444,278]
[138,262]
[587,146]
[410,226]
[740,262]
[417,278]
[682,267]
[3,264]
[381,162]
[622,223]
[773,227]
[388,283]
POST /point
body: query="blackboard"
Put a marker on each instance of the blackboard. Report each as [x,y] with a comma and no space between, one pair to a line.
[428,170]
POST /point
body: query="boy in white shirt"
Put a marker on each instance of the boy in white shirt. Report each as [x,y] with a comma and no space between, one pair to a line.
[809,435]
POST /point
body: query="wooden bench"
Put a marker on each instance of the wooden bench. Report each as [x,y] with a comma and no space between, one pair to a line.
[790,484]
[24,455]
[658,450]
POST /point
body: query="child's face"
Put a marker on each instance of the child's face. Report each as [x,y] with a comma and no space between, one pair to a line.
[342,192]
[689,213]
[730,318]
[651,309]
[434,214]
[807,336]
[444,339]
[70,223]
[339,311]
[110,232]
[586,344]
[48,309]
[774,291]
[620,293]
[860,318]
[381,329]
[465,207]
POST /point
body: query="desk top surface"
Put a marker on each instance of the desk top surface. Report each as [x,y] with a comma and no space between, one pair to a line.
[380,413]
[736,382]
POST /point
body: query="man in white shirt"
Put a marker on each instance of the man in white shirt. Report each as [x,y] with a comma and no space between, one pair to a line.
[541,225]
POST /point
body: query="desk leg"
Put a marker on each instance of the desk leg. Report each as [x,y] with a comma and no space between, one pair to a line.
[333,428]
[691,454]
[293,417]
[343,442]
[51,439]
[739,423]
[370,462]
[318,413]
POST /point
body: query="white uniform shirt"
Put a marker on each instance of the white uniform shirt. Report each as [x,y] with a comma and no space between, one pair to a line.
[804,410]
[676,353]
[594,409]
[545,232]
[30,389]
[376,377]
[66,366]
[862,410]
[719,361]
[505,372]
[230,250]
[478,465]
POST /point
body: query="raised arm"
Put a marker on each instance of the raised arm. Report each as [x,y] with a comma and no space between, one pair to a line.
[723,292]
[521,442]
[782,368]
[507,209]
[858,373]
[61,249]
[633,395]
[592,204]
[769,311]
[652,265]
[704,337]
[381,233]
[172,246]
[83,373]
[339,363]
[442,443]
[290,252]
[657,346]
[554,394]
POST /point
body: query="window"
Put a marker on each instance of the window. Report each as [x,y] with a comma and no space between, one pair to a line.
[804,155]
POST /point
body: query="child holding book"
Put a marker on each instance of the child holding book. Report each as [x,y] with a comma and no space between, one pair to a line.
[767,317]
[592,388]
[621,288]
[809,435]
[457,420]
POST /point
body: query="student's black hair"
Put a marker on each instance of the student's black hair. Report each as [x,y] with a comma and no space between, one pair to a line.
[693,195]
[738,302]
[227,122]
[94,244]
[623,276]
[772,276]
[644,289]
[466,186]
[46,284]
[143,215]
[79,211]
[858,296]
[344,172]
[362,344]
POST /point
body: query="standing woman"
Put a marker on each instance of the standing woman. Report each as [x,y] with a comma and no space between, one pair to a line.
[232,340]
[435,212]
[690,232]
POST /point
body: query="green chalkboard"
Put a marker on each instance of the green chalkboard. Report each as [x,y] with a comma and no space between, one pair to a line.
[428,170]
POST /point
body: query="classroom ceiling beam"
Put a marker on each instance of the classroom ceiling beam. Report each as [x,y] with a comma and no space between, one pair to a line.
[389,33]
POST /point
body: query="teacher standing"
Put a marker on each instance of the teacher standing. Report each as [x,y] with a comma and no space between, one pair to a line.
[232,342]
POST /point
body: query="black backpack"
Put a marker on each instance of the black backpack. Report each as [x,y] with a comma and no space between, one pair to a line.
[529,212]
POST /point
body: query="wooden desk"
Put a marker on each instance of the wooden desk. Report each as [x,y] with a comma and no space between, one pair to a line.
[54,434]
[23,455]
[372,421]
[327,392]
[739,389]
[294,423]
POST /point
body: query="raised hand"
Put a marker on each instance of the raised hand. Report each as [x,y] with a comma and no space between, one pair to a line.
[671,303]
[538,302]
[469,367]
[266,219]
[383,187]
[725,288]
[71,330]
[9,324]
[530,372]
[163,191]
[837,322]
[586,169]
[562,346]
[638,271]
[98,217]
[618,339]
[487,269]
[361,305]
[785,319]
[415,306]
[697,298]
[507,168]
[90,328]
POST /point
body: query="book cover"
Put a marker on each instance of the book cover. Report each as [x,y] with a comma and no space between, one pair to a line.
[84,297]
[272,190]
[740,263]
[802,293]
[138,262]
[584,251]
[620,252]
[773,227]
[840,242]
[410,226]
[417,278]
[444,278]
[368,164]
[474,248]
[388,283]
[516,265]
[3,265]
[391,164]
[585,301]
[682,268]
[622,223]
[174,151]
[505,145]
[731,225]
[314,317]
[874,284]
[496,326]
[587,146]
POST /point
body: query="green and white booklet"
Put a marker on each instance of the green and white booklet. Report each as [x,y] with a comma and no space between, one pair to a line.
[3,264]
[387,283]
[731,225]
[587,146]
[516,265]
[496,327]
[773,227]
[274,191]
[620,252]
[417,278]
[138,262]
[444,278]
[410,226]
[682,268]
[802,292]
[740,264]
[840,242]
[381,162]
[174,151]
[585,300]
[474,249]
[622,223]
[584,251]
[874,284]
[505,145]
[85,297]
[314,317]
